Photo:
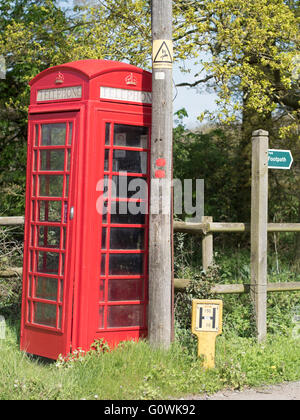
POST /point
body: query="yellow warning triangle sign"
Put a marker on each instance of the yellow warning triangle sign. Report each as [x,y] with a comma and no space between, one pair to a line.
[162,53]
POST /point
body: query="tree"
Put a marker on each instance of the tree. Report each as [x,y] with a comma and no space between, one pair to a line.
[35,35]
[209,156]
[249,51]
[28,41]
[249,57]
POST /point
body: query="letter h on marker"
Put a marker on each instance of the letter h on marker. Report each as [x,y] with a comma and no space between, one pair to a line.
[205,318]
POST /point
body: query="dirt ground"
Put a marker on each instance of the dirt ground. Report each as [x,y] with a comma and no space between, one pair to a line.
[286,391]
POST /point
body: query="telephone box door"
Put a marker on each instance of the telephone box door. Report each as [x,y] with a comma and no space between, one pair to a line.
[124,246]
[50,201]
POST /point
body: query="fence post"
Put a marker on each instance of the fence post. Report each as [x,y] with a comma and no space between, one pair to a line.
[207,246]
[259,222]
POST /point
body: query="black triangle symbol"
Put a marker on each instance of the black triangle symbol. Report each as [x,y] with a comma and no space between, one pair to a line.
[163,54]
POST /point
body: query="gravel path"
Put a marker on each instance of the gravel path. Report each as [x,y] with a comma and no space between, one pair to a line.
[285,391]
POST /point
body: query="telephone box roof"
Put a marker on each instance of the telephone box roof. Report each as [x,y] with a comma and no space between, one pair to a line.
[90,68]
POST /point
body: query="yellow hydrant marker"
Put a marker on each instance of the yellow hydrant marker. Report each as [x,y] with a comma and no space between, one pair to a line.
[207,325]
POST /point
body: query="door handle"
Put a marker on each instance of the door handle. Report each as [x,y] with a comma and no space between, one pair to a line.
[71,213]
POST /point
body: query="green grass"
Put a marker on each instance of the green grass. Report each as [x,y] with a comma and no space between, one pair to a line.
[135,371]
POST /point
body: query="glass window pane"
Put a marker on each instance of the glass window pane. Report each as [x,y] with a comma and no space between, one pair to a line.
[125,316]
[48,262]
[28,311]
[35,160]
[53,134]
[33,186]
[44,314]
[103,259]
[126,264]
[62,269]
[126,238]
[52,160]
[106,160]
[36,139]
[101,318]
[104,212]
[31,261]
[67,186]
[130,136]
[102,291]
[130,161]
[106,185]
[32,236]
[48,236]
[107,134]
[64,233]
[70,133]
[51,185]
[125,289]
[59,317]
[32,211]
[65,218]
[29,285]
[49,211]
[103,239]
[123,214]
[46,288]
[61,294]
[129,186]
[69,160]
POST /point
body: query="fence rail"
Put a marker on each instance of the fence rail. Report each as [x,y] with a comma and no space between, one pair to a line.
[206,230]
[9,221]
[214,227]
[238,288]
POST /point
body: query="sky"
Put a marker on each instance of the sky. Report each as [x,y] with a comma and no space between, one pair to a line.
[194,102]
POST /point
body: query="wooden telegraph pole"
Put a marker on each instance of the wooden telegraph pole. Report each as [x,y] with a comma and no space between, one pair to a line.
[160,234]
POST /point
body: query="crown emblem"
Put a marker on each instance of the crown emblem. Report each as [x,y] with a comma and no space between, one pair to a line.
[59,78]
[130,80]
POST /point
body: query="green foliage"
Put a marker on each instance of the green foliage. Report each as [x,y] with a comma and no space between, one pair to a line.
[212,157]
[249,62]
[246,363]
[10,297]
[238,316]
[198,288]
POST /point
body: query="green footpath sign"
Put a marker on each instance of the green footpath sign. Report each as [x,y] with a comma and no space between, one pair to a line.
[279,159]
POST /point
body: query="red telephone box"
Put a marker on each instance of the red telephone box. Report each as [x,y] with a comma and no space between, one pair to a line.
[85,256]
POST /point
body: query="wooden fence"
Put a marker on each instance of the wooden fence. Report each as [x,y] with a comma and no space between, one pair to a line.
[206,229]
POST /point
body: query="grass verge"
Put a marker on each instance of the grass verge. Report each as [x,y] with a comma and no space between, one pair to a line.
[135,371]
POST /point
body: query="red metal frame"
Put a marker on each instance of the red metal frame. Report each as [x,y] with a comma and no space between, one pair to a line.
[75,321]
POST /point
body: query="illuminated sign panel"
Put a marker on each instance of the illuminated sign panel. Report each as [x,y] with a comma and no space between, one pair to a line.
[71,92]
[125,95]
